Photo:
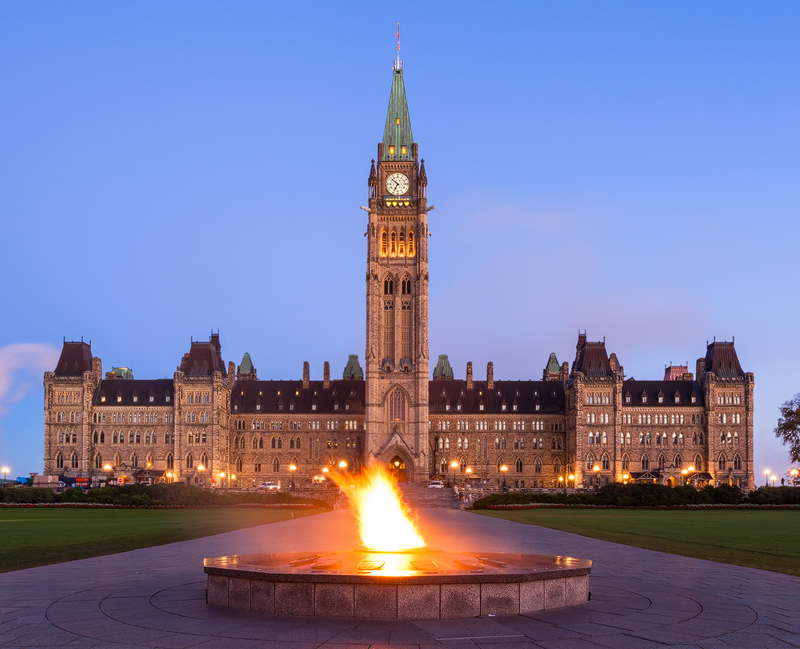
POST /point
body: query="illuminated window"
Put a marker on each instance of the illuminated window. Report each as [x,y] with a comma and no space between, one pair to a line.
[403,149]
[393,248]
[384,244]
[411,243]
[391,150]
[398,121]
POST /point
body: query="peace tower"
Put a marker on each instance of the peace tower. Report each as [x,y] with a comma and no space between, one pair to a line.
[396,408]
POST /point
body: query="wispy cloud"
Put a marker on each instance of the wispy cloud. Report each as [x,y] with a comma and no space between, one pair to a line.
[21,367]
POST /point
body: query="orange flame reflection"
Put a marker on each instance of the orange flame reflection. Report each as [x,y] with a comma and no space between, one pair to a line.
[384,521]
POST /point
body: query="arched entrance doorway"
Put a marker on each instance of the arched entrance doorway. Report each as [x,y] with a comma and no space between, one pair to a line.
[398,467]
[671,482]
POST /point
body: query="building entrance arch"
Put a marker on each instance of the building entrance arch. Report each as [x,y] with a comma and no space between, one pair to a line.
[397,467]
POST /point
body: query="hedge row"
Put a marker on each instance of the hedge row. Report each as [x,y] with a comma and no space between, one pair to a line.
[650,495]
[151,495]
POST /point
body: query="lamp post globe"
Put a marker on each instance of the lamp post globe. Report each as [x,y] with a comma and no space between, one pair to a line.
[292,469]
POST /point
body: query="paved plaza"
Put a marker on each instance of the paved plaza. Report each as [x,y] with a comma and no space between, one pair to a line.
[155,597]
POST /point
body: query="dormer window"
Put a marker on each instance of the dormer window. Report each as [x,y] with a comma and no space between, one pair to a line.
[447,406]
[644,398]
[537,406]
[536,393]
[119,398]
[135,398]
[235,406]
[515,407]
[335,406]
[503,407]
[152,398]
[279,393]
[627,398]
[677,398]
[694,399]
[102,398]
[458,406]
[166,398]
[258,406]
[347,406]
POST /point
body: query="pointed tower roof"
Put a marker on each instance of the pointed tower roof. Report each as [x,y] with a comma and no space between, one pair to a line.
[353,369]
[552,364]
[443,369]
[247,364]
[397,132]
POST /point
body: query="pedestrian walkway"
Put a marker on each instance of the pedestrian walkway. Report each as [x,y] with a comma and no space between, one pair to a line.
[155,597]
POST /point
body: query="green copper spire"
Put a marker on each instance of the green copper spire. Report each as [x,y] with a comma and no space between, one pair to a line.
[552,364]
[397,137]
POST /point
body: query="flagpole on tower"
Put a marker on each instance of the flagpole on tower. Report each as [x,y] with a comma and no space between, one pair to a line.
[397,64]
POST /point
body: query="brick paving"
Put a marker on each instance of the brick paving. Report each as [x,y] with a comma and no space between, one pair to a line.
[155,597]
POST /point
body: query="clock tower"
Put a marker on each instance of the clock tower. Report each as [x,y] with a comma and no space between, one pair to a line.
[396,418]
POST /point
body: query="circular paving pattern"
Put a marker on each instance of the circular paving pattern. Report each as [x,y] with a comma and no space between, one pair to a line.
[156,597]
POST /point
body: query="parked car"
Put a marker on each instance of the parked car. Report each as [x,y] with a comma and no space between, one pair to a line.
[436,484]
[269,486]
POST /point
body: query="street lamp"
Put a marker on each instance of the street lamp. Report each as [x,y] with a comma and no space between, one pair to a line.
[292,468]
[200,469]
[596,470]
[766,477]
[561,481]
[233,477]
[5,471]
[503,470]
[572,479]
[773,480]
[625,478]
[794,473]
[342,465]
[169,475]
[107,469]
[453,466]
[222,478]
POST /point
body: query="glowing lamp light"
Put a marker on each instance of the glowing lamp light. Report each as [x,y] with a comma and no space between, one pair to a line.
[469,470]
[684,472]
[691,468]
[233,476]
[561,478]
[454,464]
[794,472]
[107,467]
[292,467]
[596,467]
[504,468]
[571,477]
[200,467]
[397,462]
[325,469]
[342,465]
[221,474]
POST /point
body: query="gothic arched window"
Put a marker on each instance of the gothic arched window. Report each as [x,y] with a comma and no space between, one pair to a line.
[518,465]
[411,250]
[384,244]
[276,465]
[397,405]
[645,463]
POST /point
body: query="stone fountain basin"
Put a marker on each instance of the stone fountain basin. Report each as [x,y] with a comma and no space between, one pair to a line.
[416,584]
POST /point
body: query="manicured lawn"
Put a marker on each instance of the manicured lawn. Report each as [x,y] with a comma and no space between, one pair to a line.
[766,539]
[37,537]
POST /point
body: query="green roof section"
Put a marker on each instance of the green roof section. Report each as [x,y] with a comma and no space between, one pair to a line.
[353,369]
[246,366]
[397,133]
[123,372]
[443,369]
[552,364]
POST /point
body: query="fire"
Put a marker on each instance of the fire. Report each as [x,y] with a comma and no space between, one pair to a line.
[383,518]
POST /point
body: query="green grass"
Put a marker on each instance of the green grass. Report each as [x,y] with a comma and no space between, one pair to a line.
[769,540]
[37,537]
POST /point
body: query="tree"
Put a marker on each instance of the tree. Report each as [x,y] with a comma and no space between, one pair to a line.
[788,428]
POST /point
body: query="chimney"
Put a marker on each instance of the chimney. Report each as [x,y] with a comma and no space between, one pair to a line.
[469,375]
[306,375]
[490,375]
[231,369]
[701,370]
[326,377]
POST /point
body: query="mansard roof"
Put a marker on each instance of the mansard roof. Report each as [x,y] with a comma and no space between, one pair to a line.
[278,397]
[75,359]
[126,389]
[667,389]
[548,395]
[591,359]
[721,359]
[204,359]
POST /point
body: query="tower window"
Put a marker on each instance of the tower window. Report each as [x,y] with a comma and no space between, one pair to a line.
[403,149]
[398,121]
[391,150]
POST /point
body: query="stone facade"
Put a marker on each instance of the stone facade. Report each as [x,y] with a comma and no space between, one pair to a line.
[583,425]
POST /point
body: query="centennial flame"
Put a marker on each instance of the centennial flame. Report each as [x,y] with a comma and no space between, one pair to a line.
[383,518]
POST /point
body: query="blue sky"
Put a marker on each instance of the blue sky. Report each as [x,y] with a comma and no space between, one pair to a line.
[626,168]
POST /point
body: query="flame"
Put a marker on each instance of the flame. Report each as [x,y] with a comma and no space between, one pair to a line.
[384,521]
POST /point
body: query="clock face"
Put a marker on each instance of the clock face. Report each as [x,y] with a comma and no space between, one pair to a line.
[397,184]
